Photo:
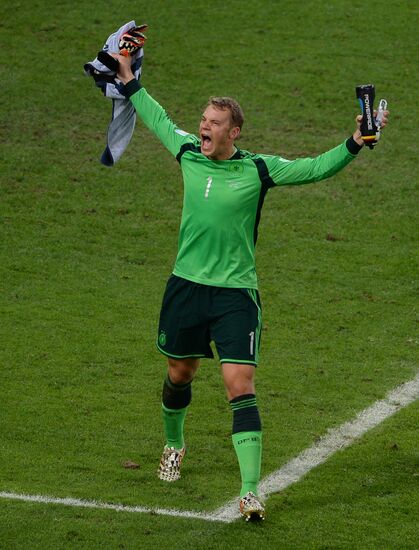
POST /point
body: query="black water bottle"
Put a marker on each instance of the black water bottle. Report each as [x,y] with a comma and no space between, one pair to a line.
[366,94]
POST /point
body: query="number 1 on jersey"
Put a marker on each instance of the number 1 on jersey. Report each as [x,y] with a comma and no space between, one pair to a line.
[209,183]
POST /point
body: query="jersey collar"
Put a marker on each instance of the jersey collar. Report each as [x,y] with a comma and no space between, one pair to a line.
[237,155]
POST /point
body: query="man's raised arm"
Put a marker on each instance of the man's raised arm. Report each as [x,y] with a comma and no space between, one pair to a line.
[152,113]
[308,170]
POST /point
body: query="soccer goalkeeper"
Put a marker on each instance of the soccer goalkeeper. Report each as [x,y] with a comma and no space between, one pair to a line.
[212,294]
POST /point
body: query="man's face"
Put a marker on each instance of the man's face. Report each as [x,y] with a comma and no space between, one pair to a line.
[217,134]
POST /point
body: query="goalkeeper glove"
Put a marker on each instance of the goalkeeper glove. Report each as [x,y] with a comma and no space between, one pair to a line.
[132,40]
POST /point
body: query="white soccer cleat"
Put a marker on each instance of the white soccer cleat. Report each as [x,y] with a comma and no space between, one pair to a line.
[251,507]
[171,459]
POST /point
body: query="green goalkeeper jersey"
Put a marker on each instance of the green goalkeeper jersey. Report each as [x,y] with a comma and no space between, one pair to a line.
[223,199]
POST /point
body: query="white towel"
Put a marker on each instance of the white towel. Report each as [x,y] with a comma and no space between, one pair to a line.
[123,118]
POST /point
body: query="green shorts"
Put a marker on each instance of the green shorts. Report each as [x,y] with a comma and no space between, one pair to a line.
[193,315]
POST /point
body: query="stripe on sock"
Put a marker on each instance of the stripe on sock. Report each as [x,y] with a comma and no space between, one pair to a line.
[243,404]
[245,414]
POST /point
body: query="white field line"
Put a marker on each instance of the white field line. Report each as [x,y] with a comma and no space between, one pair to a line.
[334,440]
[290,473]
[81,503]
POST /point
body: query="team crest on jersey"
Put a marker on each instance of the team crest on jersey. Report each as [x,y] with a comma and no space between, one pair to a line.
[236,168]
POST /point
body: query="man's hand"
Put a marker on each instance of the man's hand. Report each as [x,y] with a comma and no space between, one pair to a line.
[358,120]
[124,72]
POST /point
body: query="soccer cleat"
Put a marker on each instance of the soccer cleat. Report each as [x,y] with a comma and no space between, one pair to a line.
[251,507]
[171,459]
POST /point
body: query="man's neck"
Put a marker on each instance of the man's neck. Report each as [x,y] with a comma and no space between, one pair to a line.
[226,156]
[234,151]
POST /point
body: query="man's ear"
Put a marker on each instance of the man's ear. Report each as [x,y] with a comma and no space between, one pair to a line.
[235,133]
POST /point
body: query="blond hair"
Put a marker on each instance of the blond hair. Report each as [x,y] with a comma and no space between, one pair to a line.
[236,112]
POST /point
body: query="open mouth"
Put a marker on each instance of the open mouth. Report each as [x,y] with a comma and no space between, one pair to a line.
[205,141]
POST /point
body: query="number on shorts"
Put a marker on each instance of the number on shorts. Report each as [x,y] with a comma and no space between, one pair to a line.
[252,342]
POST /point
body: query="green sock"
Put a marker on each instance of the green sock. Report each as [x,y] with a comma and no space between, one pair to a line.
[248,447]
[173,420]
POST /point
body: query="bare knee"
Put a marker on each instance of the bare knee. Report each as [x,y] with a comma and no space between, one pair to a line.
[238,379]
[182,371]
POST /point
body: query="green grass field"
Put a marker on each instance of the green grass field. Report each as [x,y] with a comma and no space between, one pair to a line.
[85,252]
